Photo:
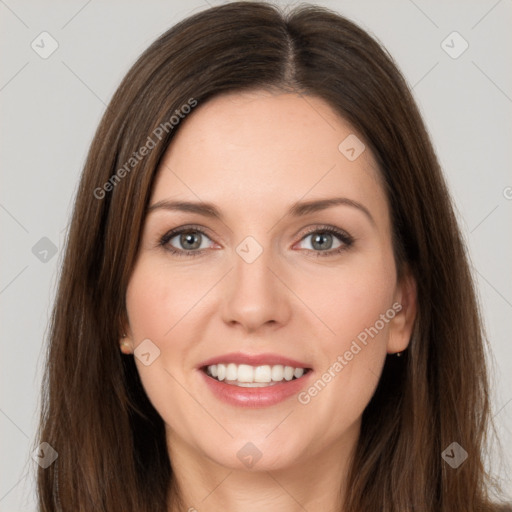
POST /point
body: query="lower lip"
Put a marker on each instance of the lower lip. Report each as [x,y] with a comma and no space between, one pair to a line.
[256,397]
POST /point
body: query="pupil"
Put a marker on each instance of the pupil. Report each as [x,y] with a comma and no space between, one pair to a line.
[188,238]
[321,245]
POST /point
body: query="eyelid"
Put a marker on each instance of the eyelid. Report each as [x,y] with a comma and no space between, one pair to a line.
[324,228]
[343,236]
[169,235]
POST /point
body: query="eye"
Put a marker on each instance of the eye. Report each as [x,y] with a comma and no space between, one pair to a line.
[193,241]
[185,241]
[323,240]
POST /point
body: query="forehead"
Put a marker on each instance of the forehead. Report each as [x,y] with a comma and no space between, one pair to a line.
[258,147]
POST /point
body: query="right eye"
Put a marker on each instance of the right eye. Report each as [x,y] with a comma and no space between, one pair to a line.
[188,239]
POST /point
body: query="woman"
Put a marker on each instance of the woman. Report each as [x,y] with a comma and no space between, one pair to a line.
[317,346]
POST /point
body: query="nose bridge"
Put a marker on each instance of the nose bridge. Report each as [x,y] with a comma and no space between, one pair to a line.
[255,296]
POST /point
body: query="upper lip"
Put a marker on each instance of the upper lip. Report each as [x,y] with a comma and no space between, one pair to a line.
[253,360]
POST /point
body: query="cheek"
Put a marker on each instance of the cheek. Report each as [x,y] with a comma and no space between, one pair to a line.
[355,303]
[157,310]
[144,302]
[349,298]
[158,298]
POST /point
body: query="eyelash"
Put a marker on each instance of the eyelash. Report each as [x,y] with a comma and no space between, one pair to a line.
[345,238]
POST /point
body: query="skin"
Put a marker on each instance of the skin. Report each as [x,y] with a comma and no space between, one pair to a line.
[253,155]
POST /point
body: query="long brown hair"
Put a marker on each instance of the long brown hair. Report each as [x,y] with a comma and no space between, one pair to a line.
[112,453]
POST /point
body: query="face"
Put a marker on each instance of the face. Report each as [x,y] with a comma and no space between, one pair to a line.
[267,277]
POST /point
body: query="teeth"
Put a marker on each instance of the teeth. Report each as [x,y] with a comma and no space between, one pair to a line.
[244,373]
[263,374]
[231,372]
[298,372]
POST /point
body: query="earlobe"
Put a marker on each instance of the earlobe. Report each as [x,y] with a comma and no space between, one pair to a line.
[402,325]
[125,344]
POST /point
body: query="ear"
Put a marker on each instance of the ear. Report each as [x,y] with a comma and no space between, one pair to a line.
[405,305]
[126,343]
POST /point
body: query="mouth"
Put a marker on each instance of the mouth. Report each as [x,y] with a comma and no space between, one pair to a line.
[249,376]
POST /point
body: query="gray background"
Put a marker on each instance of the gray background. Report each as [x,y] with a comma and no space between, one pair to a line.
[51,107]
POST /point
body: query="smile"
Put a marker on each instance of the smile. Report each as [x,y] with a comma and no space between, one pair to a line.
[235,391]
[244,375]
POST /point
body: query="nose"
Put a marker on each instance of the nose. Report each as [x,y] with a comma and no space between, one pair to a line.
[256,295]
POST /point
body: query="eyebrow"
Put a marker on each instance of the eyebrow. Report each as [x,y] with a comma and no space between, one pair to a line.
[297,209]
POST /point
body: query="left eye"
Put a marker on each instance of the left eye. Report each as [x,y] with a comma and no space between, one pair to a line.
[322,240]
